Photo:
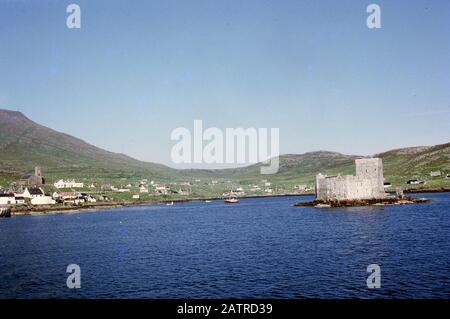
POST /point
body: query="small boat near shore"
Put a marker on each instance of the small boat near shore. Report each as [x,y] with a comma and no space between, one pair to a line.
[169,204]
[231,200]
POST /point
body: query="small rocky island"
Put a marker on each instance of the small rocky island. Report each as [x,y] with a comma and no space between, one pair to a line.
[388,201]
[366,188]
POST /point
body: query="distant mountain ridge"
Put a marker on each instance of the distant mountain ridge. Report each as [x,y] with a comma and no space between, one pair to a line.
[25,144]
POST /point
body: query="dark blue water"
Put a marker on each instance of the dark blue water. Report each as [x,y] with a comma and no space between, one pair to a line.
[260,248]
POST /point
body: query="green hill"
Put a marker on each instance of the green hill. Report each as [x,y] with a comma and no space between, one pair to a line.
[417,162]
[25,144]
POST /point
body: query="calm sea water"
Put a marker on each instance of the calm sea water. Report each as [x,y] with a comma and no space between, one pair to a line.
[260,248]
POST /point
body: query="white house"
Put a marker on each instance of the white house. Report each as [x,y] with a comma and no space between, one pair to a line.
[142,189]
[7,199]
[68,184]
[435,173]
[33,192]
[43,200]
[161,189]
[20,200]
[90,199]
[72,198]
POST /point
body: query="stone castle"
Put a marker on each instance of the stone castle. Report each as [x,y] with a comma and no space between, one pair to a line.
[368,183]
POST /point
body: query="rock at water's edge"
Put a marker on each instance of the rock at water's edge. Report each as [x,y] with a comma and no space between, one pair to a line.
[364,202]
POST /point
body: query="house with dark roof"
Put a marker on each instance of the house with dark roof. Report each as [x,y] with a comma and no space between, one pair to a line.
[33,192]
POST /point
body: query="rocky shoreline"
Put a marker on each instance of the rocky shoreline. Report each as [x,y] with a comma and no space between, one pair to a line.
[388,201]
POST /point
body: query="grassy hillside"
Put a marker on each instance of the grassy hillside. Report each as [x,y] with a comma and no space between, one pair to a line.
[25,144]
[417,162]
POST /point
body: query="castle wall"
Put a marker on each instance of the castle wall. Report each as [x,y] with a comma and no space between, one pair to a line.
[367,184]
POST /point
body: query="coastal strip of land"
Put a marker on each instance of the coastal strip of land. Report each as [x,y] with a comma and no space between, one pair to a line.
[92,207]
[52,209]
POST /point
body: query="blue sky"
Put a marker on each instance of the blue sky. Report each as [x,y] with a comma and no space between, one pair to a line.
[137,70]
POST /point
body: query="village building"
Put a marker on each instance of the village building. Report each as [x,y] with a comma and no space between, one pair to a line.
[20,200]
[87,197]
[142,189]
[36,196]
[72,198]
[7,199]
[68,184]
[104,198]
[43,200]
[161,189]
[435,173]
[91,199]
[368,183]
[33,192]
[36,179]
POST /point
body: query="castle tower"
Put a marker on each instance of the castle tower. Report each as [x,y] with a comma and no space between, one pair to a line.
[372,169]
[37,171]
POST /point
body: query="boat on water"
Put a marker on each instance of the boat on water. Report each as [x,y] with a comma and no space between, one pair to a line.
[169,204]
[231,200]
[208,201]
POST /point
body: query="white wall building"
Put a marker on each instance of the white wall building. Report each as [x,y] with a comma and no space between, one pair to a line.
[33,192]
[142,189]
[435,173]
[43,200]
[7,199]
[68,184]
